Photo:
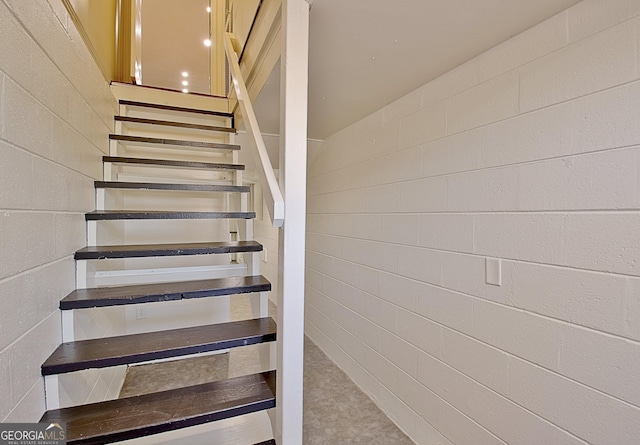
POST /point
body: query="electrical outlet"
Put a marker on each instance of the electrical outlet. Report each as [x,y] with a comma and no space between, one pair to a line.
[141,313]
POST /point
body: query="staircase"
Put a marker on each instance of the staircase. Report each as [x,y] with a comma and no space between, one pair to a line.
[176,158]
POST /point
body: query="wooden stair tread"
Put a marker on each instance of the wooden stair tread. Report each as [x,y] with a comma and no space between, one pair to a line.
[133,103]
[104,215]
[149,250]
[174,142]
[165,123]
[136,348]
[122,419]
[177,187]
[156,292]
[172,163]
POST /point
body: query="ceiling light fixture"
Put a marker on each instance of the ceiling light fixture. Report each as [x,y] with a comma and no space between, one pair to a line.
[185,90]
[208,8]
[185,74]
[207,42]
[185,83]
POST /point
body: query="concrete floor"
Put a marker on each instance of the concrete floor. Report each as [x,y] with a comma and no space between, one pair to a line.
[336,412]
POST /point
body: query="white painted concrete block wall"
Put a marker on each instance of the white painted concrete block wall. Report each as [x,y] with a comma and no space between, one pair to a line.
[56,110]
[529,153]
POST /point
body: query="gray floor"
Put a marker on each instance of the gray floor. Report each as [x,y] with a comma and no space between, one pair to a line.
[336,412]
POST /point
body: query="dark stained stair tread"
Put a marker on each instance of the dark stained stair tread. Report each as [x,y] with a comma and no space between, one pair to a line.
[267,442]
[133,103]
[177,187]
[143,121]
[172,163]
[174,142]
[136,348]
[152,250]
[156,292]
[104,215]
[128,418]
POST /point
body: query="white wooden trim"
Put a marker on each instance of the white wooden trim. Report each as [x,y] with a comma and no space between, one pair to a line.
[123,91]
[291,252]
[101,196]
[108,171]
[81,273]
[68,327]
[266,175]
[92,229]
[52,392]
[113,147]
[137,276]
[170,270]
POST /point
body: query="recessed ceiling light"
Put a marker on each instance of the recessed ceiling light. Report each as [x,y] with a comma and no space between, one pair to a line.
[185,83]
[185,74]
[185,90]
[207,42]
[208,8]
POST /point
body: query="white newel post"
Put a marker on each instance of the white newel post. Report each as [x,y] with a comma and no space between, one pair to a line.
[293,183]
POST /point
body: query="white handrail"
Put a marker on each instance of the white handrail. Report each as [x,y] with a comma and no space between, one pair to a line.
[266,175]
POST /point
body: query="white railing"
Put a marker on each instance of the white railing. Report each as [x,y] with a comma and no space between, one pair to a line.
[266,175]
[288,23]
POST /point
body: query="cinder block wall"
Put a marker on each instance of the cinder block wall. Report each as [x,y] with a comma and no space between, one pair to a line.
[56,111]
[530,154]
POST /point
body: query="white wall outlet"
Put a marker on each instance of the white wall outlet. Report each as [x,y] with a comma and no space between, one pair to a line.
[141,313]
[264,255]
[493,271]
